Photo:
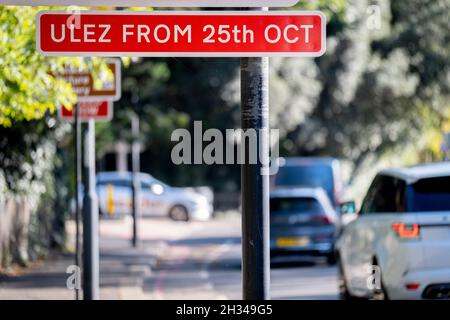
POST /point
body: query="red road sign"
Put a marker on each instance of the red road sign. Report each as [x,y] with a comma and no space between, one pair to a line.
[182,34]
[103,89]
[155,3]
[97,110]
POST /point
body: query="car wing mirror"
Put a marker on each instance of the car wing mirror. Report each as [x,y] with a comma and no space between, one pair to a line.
[348,207]
[348,212]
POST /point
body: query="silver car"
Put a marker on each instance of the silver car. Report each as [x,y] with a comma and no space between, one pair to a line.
[157,199]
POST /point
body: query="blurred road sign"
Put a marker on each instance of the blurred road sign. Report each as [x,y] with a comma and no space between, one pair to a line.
[155,3]
[89,88]
[97,110]
[182,34]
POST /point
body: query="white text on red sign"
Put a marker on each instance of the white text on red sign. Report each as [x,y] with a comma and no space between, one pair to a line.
[182,34]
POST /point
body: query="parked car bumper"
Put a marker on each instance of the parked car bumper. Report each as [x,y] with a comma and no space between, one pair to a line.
[430,281]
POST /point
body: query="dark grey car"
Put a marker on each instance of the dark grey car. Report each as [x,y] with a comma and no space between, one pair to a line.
[321,172]
[303,222]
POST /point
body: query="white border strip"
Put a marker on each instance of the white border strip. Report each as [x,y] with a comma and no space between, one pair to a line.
[155,3]
[186,54]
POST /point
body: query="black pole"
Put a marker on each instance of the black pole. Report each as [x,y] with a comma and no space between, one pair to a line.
[254,185]
[90,219]
[77,144]
[136,186]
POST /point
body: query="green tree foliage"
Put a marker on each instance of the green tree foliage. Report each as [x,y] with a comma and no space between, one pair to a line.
[27,90]
[29,93]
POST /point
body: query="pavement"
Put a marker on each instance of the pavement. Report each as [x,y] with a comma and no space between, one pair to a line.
[174,260]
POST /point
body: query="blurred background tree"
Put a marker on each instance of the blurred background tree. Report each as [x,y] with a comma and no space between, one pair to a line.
[381,85]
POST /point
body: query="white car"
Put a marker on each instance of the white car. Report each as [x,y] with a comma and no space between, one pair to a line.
[399,245]
[157,199]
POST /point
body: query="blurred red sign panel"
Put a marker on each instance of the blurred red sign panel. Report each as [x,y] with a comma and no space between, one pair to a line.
[97,110]
[181,34]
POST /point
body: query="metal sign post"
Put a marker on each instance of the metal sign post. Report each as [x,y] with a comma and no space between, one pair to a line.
[136,185]
[77,150]
[254,185]
[94,104]
[90,219]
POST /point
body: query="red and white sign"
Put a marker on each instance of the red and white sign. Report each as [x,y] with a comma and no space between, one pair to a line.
[97,110]
[155,3]
[182,34]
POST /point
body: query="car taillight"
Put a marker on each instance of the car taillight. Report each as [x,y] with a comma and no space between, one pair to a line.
[321,218]
[406,230]
[412,286]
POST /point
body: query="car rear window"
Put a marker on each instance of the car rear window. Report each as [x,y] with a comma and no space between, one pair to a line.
[318,175]
[295,205]
[430,194]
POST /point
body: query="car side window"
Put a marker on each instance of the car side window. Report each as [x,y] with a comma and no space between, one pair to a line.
[117,183]
[400,196]
[368,202]
[386,194]
[145,184]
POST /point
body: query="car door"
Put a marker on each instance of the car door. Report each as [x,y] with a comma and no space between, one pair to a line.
[152,203]
[384,202]
[355,244]
[389,206]
[118,196]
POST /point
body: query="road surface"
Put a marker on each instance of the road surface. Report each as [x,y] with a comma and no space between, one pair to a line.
[203,262]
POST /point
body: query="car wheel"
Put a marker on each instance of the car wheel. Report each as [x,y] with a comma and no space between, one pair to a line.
[380,294]
[179,213]
[344,294]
